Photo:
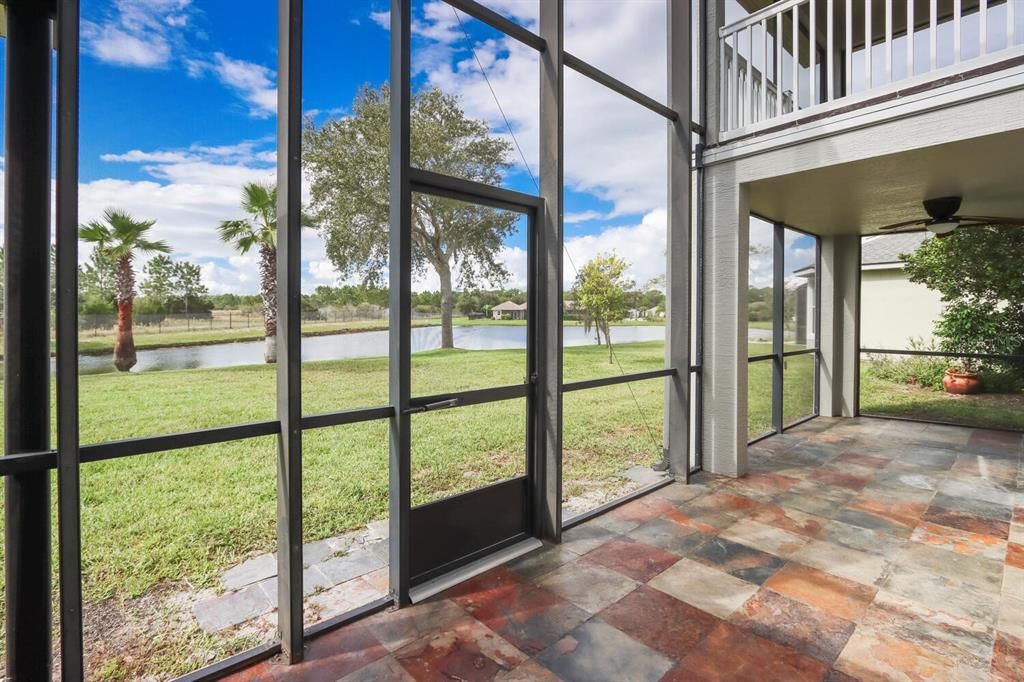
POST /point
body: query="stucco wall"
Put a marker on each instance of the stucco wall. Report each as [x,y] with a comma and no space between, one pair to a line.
[894,310]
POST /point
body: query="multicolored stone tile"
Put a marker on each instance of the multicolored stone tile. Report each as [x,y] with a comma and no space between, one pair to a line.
[864,460]
[764,537]
[946,634]
[861,567]
[839,479]
[898,511]
[637,560]
[598,651]
[821,507]
[660,621]
[806,629]
[586,537]
[1015,555]
[973,505]
[1008,658]
[527,671]
[862,539]
[732,654]
[985,574]
[837,596]
[793,520]
[1011,615]
[538,564]
[330,657]
[960,541]
[737,560]
[589,586]
[387,668]
[465,650]
[940,593]
[971,523]
[670,535]
[529,617]
[1013,581]
[875,655]
[397,627]
[707,588]
[642,510]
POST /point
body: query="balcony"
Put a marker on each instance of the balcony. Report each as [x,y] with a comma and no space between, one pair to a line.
[773,76]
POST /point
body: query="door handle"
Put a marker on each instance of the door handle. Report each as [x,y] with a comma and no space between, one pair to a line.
[439,405]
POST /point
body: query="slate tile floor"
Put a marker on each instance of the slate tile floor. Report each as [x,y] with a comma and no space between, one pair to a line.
[854,549]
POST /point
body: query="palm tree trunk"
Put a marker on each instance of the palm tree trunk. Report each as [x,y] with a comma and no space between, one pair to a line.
[124,344]
[268,291]
[447,334]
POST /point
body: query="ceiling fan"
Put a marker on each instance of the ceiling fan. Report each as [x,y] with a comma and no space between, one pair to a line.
[942,220]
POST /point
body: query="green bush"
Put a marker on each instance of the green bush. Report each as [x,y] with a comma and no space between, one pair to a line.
[923,371]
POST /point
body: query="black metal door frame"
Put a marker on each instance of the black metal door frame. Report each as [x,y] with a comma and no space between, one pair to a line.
[449,533]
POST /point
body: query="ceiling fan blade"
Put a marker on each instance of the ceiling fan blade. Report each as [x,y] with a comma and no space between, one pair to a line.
[906,223]
[992,220]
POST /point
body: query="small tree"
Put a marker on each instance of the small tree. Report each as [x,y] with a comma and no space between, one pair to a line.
[188,284]
[347,162]
[977,273]
[158,284]
[120,238]
[600,290]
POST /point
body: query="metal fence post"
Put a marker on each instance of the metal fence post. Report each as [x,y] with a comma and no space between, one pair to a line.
[68,460]
[548,469]
[26,335]
[289,389]
[677,348]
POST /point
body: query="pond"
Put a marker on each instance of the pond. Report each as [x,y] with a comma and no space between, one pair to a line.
[353,345]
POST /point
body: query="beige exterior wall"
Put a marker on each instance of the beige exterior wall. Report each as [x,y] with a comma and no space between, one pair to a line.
[895,310]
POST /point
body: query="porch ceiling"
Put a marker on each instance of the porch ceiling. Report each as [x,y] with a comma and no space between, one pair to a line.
[858,197]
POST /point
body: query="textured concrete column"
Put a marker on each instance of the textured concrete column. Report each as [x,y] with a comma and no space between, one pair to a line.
[840,325]
[726,243]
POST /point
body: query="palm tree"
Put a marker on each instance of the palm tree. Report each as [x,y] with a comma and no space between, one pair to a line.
[259,230]
[121,237]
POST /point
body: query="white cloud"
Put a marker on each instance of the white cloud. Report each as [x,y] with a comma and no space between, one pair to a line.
[642,246]
[583,217]
[615,149]
[138,33]
[254,83]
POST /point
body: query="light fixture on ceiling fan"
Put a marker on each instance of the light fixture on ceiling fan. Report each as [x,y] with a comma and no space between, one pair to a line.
[943,220]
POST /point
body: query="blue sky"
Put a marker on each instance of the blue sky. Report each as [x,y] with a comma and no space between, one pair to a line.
[178,111]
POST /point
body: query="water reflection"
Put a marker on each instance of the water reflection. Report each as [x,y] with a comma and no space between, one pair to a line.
[355,345]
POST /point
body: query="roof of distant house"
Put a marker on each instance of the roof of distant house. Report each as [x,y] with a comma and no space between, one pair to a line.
[886,248]
[509,305]
[881,250]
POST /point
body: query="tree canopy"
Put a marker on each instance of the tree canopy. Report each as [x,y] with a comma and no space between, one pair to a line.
[347,164]
[977,272]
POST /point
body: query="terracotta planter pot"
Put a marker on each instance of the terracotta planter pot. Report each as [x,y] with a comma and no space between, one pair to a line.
[961,383]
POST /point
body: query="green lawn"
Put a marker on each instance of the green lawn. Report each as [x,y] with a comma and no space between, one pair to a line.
[186,515]
[885,398]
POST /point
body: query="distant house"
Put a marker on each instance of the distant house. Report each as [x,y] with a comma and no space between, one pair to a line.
[509,311]
[893,309]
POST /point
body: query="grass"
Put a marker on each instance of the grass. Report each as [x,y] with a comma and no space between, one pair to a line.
[186,515]
[880,397]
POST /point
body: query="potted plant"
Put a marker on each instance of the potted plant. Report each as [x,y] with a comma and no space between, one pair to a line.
[962,377]
[965,329]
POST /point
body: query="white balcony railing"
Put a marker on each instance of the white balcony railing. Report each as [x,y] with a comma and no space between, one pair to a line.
[770,73]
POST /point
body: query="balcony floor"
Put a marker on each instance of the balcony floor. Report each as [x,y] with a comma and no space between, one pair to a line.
[855,548]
